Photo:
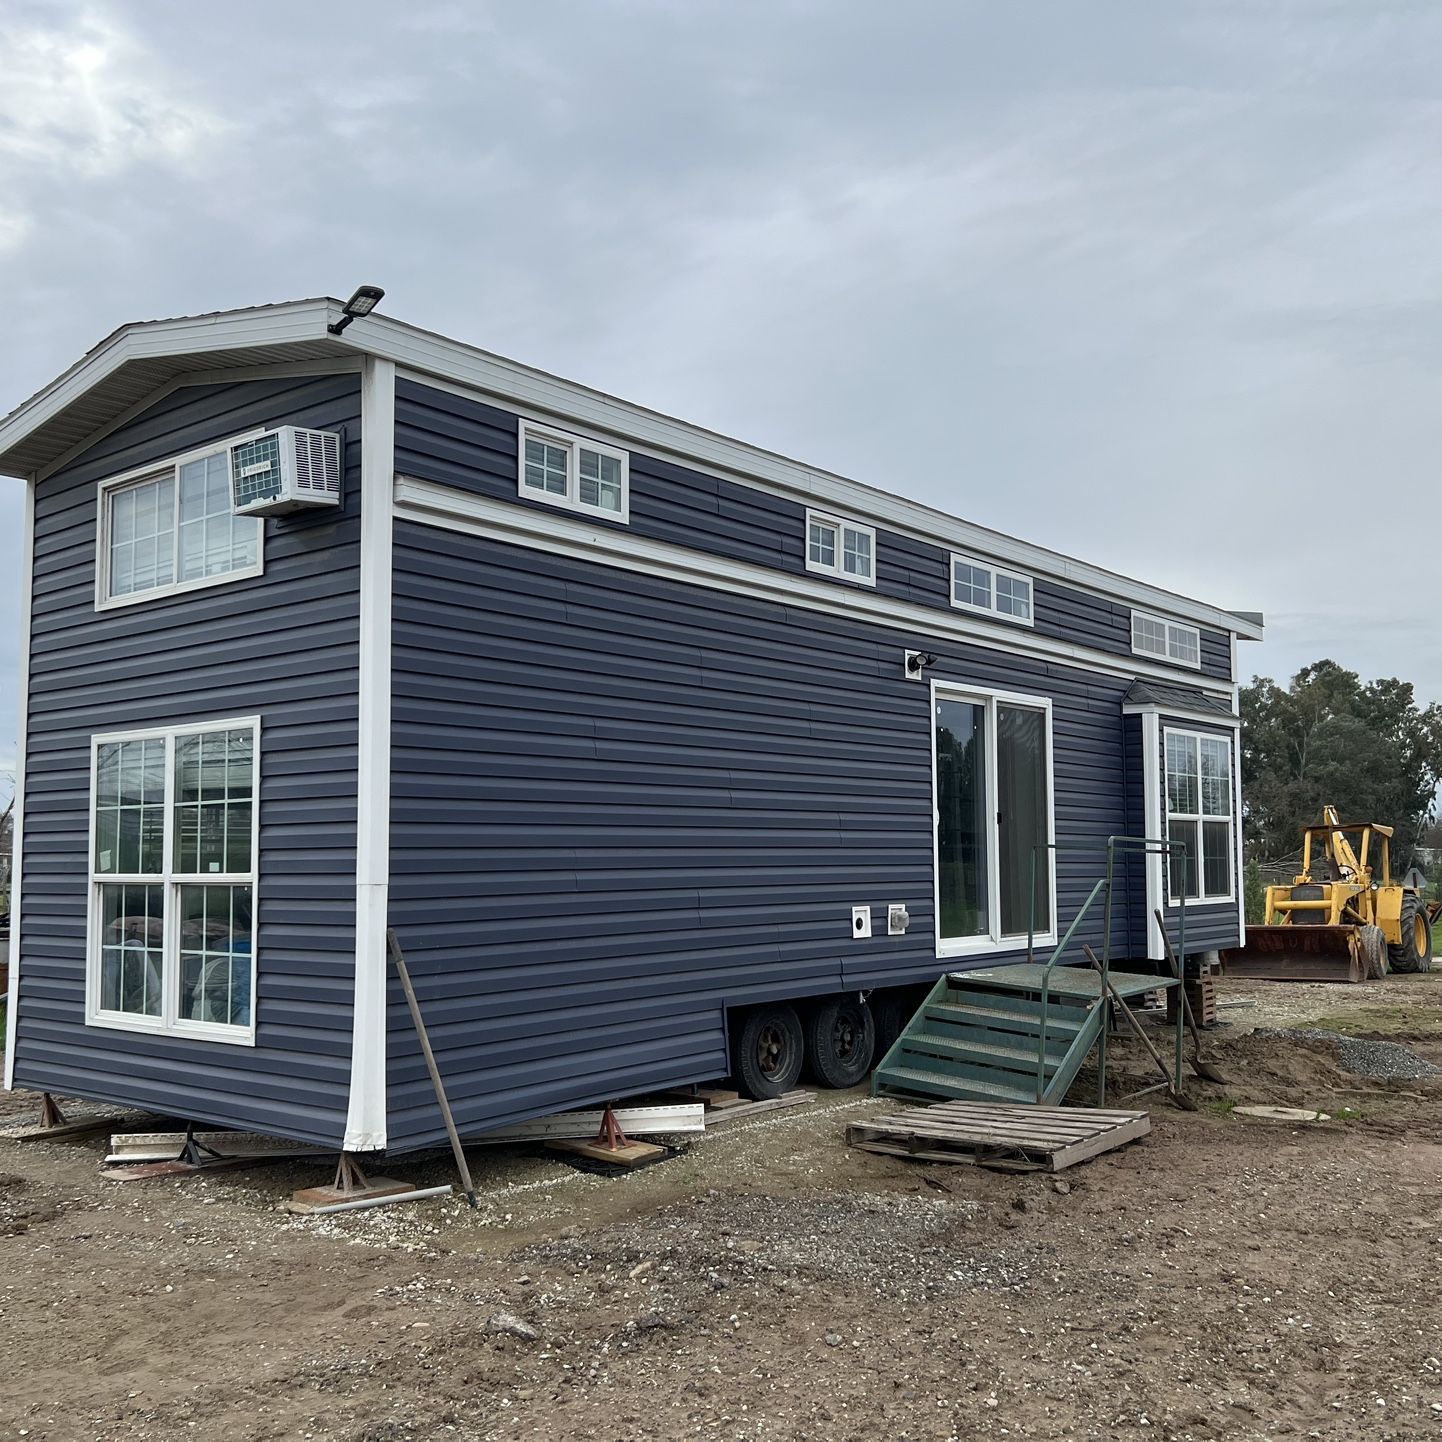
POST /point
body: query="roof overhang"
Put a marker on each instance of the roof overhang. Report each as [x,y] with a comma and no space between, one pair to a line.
[138,360]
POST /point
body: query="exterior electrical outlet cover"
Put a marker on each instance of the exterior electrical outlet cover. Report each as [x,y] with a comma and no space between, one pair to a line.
[286,469]
[898,918]
[860,921]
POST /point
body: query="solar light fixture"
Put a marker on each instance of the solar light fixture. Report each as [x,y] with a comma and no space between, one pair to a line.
[363,302]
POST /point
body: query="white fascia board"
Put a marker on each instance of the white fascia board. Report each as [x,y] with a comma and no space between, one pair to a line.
[560,534]
[1181,713]
[429,357]
[366,1120]
[292,321]
[17,815]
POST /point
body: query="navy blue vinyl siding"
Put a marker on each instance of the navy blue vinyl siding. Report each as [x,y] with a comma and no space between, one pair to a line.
[461,442]
[1209,925]
[283,646]
[622,804]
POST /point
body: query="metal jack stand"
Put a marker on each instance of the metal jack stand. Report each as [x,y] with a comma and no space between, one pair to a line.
[611,1136]
[195,1152]
[349,1178]
[50,1114]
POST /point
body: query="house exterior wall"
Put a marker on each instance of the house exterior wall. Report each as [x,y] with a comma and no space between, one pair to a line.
[463,442]
[281,645]
[622,804]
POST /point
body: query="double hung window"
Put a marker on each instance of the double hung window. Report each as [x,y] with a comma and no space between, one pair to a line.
[173,874]
[993,776]
[1199,816]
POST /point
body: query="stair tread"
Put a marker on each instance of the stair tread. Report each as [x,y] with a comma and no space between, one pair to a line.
[937,1081]
[1057,1021]
[1076,981]
[1023,1054]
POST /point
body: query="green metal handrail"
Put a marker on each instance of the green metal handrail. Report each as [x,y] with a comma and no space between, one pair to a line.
[1143,845]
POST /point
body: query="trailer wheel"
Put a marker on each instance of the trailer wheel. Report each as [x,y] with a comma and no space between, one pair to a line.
[890,1011]
[840,1041]
[1414,952]
[767,1050]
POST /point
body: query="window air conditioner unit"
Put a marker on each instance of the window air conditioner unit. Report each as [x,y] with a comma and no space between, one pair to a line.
[287,469]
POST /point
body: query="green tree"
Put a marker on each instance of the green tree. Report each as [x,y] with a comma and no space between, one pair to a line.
[1330,738]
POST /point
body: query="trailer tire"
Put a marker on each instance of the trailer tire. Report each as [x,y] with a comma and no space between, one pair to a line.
[840,1041]
[767,1051]
[890,1011]
[1414,952]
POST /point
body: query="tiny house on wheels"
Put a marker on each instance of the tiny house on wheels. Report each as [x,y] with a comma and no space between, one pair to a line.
[667,757]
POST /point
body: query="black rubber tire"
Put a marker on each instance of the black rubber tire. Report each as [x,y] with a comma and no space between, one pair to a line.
[767,1049]
[1406,956]
[891,1009]
[840,1040]
[1309,891]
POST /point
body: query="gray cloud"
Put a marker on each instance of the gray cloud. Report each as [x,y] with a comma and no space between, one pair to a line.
[1155,285]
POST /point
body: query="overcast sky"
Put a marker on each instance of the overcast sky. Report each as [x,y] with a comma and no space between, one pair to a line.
[1156,284]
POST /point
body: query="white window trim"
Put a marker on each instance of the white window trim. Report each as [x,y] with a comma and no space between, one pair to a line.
[994,939]
[574,444]
[1169,627]
[994,609]
[1202,898]
[168,1023]
[154,471]
[838,569]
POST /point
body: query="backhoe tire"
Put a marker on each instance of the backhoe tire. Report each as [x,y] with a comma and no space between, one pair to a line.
[840,1041]
[1309,891]
[767,1048]
[1414,952]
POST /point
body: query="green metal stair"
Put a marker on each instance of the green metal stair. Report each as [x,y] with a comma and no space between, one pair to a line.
[1003,1034]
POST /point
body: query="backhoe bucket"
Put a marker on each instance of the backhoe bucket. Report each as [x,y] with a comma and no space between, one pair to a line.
[1303,953]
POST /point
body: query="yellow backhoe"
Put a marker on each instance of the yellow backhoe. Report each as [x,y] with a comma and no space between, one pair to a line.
[1343,918]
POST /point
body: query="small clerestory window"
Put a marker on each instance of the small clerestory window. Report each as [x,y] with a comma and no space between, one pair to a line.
[574,473]
[838,547]
[980,586]
[1153,636]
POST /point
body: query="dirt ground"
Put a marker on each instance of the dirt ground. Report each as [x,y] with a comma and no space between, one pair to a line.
[1221,1279]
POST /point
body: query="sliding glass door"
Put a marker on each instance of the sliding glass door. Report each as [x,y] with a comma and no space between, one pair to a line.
[992,761]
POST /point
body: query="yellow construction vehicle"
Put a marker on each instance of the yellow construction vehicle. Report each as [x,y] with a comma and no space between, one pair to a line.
[1343,918]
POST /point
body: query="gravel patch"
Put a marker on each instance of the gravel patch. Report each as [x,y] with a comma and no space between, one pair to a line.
[905,1247]
[1384,1060]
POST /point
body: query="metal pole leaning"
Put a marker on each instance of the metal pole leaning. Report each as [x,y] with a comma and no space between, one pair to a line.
[393,945]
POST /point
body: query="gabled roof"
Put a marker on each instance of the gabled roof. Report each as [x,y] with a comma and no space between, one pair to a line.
[135,361]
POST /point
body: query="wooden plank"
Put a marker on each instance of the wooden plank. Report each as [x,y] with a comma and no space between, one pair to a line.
[943,1127]
[1102,1142]
[166,1146]
[753,1109]
[83,1128]
[330,1195]
[580,1126]
[633,1154]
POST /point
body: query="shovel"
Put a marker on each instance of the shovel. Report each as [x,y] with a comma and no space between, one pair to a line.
[1173,1090]
[1200,1065]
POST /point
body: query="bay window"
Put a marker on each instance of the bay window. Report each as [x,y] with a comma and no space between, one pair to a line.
[1199,816]
[993,779]
[173,876]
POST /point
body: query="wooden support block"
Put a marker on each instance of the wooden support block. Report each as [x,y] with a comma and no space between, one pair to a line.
[633,1154]
[329,1195]
[87,1127]
[750,1109]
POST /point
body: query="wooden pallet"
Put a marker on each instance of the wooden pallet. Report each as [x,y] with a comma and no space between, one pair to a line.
[992,1134]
